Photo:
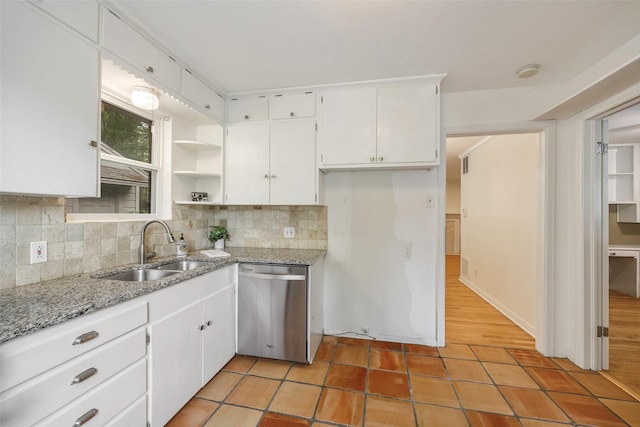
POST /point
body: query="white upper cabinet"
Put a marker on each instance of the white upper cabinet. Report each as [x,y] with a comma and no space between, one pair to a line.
[247,109]
[203,99]
[247,164]
[147,59]
[292,162]
[389,126]
[49,106]
[292,106]
[82,16]
[348,126]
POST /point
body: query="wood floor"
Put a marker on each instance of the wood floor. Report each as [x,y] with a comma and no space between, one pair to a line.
[471,320]
[624,340]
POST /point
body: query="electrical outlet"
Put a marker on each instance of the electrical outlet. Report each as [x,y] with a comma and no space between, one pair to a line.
[38,252]
[406,249]
[431,201]
[289,232]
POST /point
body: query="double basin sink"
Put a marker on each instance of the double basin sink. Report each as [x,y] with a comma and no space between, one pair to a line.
[156,273]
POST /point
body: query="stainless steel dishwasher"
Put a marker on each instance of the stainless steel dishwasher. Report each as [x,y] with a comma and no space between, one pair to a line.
[273,318]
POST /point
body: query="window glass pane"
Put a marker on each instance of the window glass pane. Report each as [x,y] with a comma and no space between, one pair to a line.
[125,134]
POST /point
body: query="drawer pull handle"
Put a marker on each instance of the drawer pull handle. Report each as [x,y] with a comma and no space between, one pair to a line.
[85,337]
[84,375]
[84,418]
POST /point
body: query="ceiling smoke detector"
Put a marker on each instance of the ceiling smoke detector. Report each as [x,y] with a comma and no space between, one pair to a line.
[528,71]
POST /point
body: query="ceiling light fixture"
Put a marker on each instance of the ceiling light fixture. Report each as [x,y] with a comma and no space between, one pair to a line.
[145,98]
[528,71]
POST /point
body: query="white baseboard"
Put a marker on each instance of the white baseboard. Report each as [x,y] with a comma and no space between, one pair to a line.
[526,326]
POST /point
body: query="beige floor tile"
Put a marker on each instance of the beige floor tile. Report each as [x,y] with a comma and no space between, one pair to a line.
[467,370]
[527,422]
[421,349]
[253,392]
[350,355]
[493,354]
[220,386]
[240,364]
[483,419]
[600,386]
[433,390]
[388,412]
[556,380]
[586,410]
[481,397]
[316,373]
[341,407]
[386,345]
[567,365]
[194,413]
[628,411]
[513,375]
[426,365]
[228,415]
[325,352]
[531,358]
[347,376]
[296,399]
[389,383]
[457,351]
[278,420]
[270,368]
[438,416]
[532,404]
[358,342]
[387,360]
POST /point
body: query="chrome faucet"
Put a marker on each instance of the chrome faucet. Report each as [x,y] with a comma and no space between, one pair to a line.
[170,238]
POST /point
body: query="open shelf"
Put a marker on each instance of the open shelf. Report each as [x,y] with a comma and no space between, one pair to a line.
[197,145]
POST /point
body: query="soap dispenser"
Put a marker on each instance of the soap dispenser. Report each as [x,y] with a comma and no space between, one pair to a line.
[181,247]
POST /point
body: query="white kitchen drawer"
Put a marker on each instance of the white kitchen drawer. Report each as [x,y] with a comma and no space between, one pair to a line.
[134,415]
[31,401]
[247,110]
[110,399]
[25,357]
[292,106]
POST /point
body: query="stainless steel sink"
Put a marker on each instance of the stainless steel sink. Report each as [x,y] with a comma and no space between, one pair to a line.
[183,265]
[141,275]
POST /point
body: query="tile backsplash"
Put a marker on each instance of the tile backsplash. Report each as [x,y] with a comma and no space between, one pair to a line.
[78,248]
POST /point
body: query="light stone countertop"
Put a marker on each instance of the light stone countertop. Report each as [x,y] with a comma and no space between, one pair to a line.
[27,309]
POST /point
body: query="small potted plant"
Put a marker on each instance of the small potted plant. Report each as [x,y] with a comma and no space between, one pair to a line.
[217,235]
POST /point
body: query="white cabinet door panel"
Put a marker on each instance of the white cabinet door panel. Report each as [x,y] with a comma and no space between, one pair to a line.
[130,46]
[247,110]
[348,127]
[176,361]
[203,98]
[82,16]
[291,106]
[49,107]
[219,336]
[247,164]
[407,123]
[293,172]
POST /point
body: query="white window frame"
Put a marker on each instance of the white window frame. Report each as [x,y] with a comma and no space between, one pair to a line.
[160,166]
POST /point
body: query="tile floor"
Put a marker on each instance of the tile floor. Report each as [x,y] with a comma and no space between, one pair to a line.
[357,382]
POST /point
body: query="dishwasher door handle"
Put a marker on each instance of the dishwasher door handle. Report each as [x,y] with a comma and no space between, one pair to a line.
[269,276]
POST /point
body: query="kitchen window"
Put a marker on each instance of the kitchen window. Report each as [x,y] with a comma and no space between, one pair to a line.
[130,168]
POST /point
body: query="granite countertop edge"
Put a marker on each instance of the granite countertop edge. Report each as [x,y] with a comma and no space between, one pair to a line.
[30,308]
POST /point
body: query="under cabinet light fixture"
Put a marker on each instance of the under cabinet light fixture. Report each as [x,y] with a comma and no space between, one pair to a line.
[145,98]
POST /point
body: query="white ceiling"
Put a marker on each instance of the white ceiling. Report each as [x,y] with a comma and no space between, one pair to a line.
[242,46]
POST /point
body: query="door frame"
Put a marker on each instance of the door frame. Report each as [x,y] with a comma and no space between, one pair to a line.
[545,225]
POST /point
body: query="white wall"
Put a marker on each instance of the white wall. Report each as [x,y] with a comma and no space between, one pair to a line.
[499,203]
[453,196]
[372,216]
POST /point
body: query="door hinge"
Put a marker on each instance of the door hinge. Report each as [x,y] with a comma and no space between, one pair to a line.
[602,148]
[322,99]
[316,127]
[148,338]
[603,331]
[436,154]
[436,90]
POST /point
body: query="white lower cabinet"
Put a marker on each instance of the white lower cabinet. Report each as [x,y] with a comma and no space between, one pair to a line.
[191,340]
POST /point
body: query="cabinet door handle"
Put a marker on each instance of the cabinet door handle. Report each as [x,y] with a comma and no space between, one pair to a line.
[85,337]
[208,322]
[380,158]
[201,327]
[292,114]
[84,418]
[273,176]
[246,117]
[150,69]
[266,176]
[84,375]
[93,144]
[207,107]
[373,159]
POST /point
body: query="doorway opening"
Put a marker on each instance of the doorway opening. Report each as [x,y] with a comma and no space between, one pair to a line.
[494,210]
